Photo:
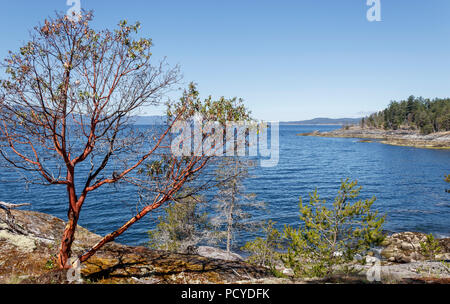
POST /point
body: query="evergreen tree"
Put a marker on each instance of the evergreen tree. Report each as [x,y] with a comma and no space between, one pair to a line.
[426,115]
[232,200]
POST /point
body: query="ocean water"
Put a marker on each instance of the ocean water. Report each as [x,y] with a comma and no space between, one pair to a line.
[407,182]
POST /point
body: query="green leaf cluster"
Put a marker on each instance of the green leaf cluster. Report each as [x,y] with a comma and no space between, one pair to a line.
[265,251]
[222,110]
[430,248]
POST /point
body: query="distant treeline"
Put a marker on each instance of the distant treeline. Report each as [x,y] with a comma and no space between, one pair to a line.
[425,115]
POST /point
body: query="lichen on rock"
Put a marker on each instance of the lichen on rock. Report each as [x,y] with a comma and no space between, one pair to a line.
[22,242]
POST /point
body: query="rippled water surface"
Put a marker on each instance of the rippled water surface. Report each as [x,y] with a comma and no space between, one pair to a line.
[408,183]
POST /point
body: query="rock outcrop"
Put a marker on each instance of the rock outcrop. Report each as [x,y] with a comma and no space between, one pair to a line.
[30,257]
[405,247]
[438,140]
[216,253]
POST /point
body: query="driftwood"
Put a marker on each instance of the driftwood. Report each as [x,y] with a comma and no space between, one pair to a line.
[9,219]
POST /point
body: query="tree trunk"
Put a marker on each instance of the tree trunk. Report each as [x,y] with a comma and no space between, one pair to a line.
[67,239]
[229,238]
[69,231]
[230,222]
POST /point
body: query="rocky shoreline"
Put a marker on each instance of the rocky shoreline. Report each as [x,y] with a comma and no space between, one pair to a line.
[403,137]
[29,256]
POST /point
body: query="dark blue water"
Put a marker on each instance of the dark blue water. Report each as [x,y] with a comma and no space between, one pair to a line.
[408,183]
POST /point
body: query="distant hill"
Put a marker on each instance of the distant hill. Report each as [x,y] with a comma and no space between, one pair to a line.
[325,121]
[159,120]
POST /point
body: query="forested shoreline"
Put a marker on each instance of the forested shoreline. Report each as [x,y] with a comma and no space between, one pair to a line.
[425,115]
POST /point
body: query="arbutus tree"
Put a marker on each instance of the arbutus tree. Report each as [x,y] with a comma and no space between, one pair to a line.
[67,101]
[69,96]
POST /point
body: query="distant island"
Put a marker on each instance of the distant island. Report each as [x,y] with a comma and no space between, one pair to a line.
[325,121]
[415,122]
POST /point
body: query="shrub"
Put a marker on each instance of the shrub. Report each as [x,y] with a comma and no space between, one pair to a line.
[430,248]
[427,129]
[327,236]
[264,251]
[332,236]
[181,227]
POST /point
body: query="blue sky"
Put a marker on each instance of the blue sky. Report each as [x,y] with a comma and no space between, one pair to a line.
[289,60]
